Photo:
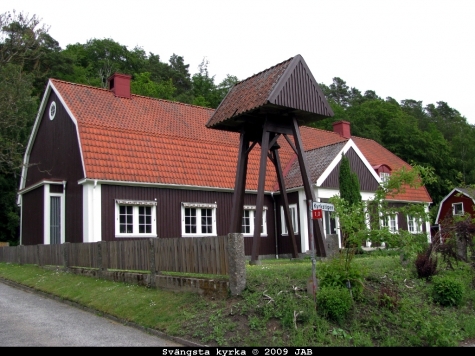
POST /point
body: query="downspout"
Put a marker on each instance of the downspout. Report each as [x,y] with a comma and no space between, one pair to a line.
[275,227]
[93,237]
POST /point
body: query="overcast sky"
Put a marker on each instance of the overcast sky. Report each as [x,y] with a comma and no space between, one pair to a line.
[418,49]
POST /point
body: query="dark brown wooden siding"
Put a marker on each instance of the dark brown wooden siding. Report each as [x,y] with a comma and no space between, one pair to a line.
[55,155]
[284,243]
[169,211]
[367,181]
[32,221]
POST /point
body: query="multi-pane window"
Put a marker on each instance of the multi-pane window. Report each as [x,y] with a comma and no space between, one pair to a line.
[384,176]
[413,224]
[248,220]
[293,219]
[390,222]
[330,223]
[135,218]
[457,208]
[199,219]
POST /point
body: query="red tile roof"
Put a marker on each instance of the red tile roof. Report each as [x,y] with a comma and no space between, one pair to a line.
[377,155]
[148,140]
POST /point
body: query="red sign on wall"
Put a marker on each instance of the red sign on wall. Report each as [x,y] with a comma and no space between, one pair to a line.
[317,214]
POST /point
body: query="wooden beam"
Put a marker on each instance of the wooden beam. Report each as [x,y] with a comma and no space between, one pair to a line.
[256,241]
[288,221]
[240,185]
[309,192]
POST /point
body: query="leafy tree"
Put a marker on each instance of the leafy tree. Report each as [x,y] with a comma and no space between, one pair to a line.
[17,111]
[349,192]
[143,85]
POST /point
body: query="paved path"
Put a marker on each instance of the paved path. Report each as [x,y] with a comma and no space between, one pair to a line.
[29,319]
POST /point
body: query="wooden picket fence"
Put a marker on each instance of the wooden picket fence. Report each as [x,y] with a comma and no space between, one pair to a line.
[205,255]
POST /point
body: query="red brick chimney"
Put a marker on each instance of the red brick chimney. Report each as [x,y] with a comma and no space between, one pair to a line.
[342,128]
[119,84]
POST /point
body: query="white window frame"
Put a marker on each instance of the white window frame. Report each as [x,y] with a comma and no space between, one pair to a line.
[293,218]
[414,225]
[135,204]
[384,176]
[251,209]
[47,212]
[454,210]
[198,207]
[390,221]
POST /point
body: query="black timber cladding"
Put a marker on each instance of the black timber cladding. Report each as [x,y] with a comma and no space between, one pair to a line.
[55,155]
[169,203]
[32,217]
[368,182]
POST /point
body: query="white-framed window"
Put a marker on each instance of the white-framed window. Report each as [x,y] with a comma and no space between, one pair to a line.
[330,223]
[248,220]
[457,209]
[52,110]
[198,219]
[390,221]
[414,225]
[293,219]
[135,218]
[384,176]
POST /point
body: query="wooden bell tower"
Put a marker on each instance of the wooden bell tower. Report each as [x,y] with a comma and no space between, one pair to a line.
[263,108]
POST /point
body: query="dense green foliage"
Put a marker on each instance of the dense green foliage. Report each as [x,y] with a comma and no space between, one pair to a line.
[434,135]
[447,290]
[334,303]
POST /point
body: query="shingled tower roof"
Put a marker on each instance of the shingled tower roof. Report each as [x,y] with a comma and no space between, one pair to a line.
[286,89]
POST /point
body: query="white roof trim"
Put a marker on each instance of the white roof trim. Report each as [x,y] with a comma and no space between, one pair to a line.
[41,183]
[349,144]
[36,126]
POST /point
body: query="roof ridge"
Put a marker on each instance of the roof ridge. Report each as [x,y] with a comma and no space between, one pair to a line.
[132,94]
[265,70]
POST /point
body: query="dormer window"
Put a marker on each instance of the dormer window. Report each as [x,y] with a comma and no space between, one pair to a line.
[383,171]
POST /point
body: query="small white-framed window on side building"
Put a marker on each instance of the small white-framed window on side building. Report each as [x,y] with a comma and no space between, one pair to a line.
[457,209]
[414,224]
[248,220]
[390,222]
[198,219]
[293,219]
[135,218]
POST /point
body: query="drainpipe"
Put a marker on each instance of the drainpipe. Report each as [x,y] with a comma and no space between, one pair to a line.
[93,234]
[275,227]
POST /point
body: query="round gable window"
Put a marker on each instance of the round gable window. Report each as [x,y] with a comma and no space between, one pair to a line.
[52,110]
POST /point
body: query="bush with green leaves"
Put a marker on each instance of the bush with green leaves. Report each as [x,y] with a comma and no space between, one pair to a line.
[447,291]
[337,272]
[334,302]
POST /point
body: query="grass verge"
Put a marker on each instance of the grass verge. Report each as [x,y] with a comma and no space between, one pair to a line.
[395,308]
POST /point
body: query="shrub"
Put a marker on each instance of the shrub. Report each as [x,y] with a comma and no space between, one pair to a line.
[334,302]
[426,265]
[336,273]
[388,297]
[447,291]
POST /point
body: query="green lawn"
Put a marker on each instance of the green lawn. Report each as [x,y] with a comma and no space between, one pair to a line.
[391,307]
